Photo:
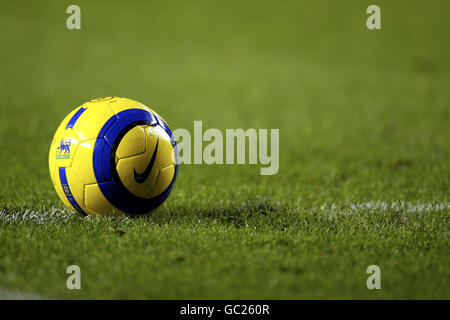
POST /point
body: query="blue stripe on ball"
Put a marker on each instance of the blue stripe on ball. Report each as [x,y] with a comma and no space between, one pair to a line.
[68,192]
[75,117]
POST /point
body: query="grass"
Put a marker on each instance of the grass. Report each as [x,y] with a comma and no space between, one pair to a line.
[363,118]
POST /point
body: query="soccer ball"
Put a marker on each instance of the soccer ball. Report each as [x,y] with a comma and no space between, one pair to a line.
[113,156]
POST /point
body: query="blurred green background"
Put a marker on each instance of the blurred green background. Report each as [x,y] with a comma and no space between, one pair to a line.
[363,116]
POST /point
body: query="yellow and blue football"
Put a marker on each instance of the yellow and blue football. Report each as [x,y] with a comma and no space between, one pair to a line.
[113,156]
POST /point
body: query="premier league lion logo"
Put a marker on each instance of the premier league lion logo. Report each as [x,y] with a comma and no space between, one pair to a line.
[64,147]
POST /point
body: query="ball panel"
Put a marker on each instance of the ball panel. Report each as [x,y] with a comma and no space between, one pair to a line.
[126,169]
[133,143]
[165,177]
[82,162]
[96,203]
[93,119]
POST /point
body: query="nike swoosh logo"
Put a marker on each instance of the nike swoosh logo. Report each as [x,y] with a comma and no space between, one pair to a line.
[142,177]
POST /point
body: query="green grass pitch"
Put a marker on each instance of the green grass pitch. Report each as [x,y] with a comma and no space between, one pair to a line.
[364,148]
